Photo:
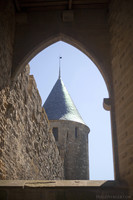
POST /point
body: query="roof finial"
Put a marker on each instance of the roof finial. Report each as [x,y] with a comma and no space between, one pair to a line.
[60,67]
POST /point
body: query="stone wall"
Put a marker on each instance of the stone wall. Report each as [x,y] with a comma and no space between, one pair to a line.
[121,29]
[73,148]
[7,26]
[27,147]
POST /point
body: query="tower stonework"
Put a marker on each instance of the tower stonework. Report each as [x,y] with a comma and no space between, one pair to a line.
[70,132]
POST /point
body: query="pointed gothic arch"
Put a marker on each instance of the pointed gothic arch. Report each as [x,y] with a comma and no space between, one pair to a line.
[18,65]
[100,62]
[43,52]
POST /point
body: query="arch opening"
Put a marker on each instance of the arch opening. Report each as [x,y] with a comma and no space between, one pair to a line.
[17,67]
[75,74]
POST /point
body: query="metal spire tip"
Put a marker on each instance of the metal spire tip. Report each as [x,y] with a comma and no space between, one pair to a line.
[60,67]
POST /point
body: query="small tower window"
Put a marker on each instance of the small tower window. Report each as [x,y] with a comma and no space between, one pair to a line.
[67,135]
[76,132]
[55,133]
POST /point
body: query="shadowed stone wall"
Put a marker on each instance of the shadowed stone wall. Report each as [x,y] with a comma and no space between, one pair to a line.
[7,28]
[121,29]
[27,147]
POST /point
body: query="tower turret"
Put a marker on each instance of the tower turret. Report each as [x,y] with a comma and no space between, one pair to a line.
[70,132]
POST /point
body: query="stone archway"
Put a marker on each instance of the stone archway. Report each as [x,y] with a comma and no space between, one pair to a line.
[105,71]
[34,33]
[51,64]
[88,31]
[22,31]
[70,40]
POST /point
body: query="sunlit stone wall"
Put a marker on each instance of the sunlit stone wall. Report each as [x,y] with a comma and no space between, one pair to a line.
[27,147]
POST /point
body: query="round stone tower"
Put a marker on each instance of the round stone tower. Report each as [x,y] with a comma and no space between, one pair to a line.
[70,132]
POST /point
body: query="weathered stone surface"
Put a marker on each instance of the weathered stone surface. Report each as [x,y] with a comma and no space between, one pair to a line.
[7,26]
[63,190]
[27,147]
[121,29]
[73,148]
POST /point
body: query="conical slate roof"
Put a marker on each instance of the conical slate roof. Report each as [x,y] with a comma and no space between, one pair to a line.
[59,105]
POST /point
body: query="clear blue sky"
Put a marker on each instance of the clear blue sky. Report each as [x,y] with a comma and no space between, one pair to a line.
[87,89]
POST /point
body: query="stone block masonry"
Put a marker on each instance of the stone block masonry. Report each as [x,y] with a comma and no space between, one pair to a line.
[73,148]
[7,29]
[121,29]
[27,146]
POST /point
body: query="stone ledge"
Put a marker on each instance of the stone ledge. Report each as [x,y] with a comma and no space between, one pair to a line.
[63,190]
[61,183]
